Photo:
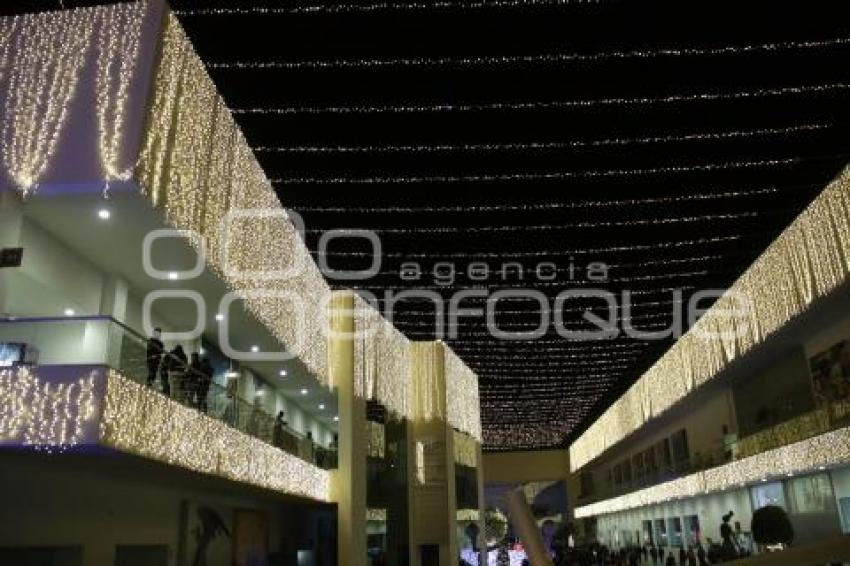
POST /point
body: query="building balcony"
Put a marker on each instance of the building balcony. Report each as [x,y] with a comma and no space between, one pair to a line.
[75,382]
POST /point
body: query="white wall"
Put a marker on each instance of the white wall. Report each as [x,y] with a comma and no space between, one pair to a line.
[52,277]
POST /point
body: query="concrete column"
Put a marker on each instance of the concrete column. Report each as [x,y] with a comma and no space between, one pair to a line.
[348,481]
[11,218]
[482,539]
[434,502]
[113,299]
[113,303]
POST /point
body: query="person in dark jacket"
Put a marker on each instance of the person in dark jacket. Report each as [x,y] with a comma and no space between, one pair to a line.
[153,355]
[205,384]
[175,367]
[279,429]
[683,556]
[193,381]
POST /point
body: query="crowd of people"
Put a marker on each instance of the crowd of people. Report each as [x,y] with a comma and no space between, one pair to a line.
[600,555]
[188,380]
[184,379]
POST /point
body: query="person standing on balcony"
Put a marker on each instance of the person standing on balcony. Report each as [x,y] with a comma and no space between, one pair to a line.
[176,368]
[231,410]
[193,381]
[309,453]
[279,429]
[206,381]
[154,355]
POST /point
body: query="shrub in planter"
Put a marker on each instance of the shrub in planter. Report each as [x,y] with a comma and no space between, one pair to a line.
[772,526]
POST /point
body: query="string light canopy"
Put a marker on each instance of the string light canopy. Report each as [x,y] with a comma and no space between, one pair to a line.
[605,113]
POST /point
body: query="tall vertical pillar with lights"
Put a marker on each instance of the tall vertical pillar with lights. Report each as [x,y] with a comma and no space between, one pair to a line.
[348,482]
[434,532]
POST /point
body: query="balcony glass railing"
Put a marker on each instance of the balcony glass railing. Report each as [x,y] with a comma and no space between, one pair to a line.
[100,340]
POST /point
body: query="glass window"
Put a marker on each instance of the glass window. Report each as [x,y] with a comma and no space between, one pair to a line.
[674,525]
[768,494]
[647,532]
[811,494]
[660,532]
[692,532]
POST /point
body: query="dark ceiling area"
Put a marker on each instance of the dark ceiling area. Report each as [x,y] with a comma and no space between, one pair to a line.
[671,141]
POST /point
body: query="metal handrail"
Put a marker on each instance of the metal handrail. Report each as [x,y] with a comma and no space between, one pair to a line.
[258,417]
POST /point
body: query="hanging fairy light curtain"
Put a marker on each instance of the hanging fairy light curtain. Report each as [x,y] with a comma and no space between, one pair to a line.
[7,29]
[427,372]
[463,409]
[809,260]
[197,167]
[118,37]
[49,52]
[382,361]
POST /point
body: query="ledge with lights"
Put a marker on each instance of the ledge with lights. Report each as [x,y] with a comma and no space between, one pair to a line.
[808,261]
[163,130]
[817,453]
[58,408]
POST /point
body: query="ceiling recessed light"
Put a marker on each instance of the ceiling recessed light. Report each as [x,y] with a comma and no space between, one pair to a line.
[219,317]
[336,418]
[173,275]
[69,312]
[261,392]
[104,214]
[321,406]
[304,392]
[282,373]
[255,349]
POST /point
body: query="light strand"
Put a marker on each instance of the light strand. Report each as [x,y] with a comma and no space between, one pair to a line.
[543,253]
[382,6]
[7,30]
[548,105]
[44,415]
[502,312]
[543,146]
[544,58]
[50,50]
[119,33]
[547,227]
[523,207]
[548,176]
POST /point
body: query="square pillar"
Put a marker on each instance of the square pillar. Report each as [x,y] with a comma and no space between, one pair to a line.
[348,481]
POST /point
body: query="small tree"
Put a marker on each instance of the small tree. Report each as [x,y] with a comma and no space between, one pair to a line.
[772,526]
